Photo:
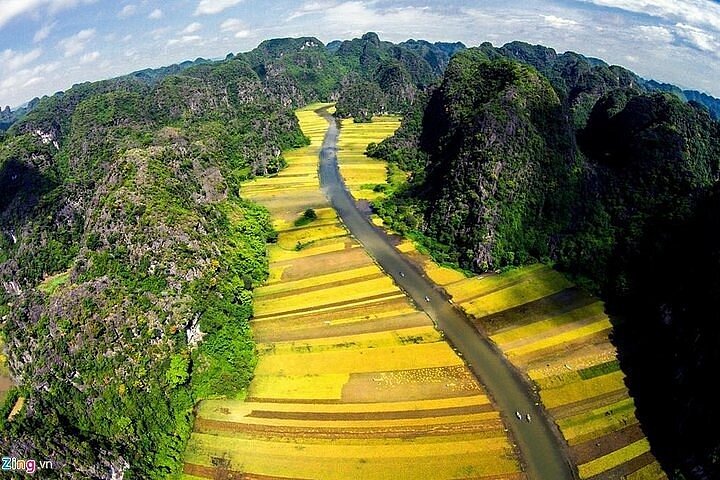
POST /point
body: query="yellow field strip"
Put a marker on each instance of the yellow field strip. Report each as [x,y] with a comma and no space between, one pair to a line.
[405,422]
[584,389]
[337,462]
[263,449]
[598,422]
[652,471]
[487,283]
[394,358]
[302,387]
[533,287]
[563,337]
[549,325]
[310,300]
[325,309]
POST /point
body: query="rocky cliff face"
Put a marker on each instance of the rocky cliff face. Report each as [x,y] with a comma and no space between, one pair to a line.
[577,164]
[492,133]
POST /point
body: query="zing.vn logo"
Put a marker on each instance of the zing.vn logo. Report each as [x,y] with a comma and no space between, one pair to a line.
[21,465]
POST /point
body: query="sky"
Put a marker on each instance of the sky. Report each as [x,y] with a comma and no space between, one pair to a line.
[48,45]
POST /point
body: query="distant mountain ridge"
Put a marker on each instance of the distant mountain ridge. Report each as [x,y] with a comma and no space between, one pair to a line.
[435,55]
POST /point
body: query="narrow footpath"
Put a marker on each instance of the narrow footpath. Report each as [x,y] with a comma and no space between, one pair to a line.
[541,448]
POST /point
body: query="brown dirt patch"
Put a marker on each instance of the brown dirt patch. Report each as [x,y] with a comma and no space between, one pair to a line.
[542,309]
[319,325]
[595,448]
[417,384]
[328,305]
[214,473]
[482,429]
[386,415]
[322,286]
[331,262]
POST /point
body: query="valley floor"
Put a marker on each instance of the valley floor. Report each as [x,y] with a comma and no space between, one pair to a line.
[353,381]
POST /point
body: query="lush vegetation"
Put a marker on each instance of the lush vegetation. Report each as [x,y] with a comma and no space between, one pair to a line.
[127,257]
[611,182]
[128,260]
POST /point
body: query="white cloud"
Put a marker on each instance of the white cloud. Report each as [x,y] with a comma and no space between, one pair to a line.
[32,81]
[75,44]
[231,25]
[13,8]
[697,12]
[236,27]
[156,14]
[89,57]
[43,33]
[160,33]
[310,8]
[654,33]
[192,28]
[127,11]
[12,60]
[355,17]
[559,22]
[697,38]
[184,39]
[211,7]
[13,81]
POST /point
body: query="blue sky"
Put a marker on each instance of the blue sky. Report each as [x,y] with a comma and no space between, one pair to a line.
[48,45]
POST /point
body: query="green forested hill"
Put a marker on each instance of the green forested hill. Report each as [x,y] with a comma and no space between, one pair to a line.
[364,75]
[124,243]
[612,182]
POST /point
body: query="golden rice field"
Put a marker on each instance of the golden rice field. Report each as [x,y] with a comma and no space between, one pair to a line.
[352,380]
[360,172]
[559,336]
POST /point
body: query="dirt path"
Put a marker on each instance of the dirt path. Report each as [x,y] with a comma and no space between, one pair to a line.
[542,449]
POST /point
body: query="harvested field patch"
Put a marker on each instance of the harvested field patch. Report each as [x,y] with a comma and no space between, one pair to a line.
[380,339]
[614,459]
[601,446]
[430,383]
[335,324]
